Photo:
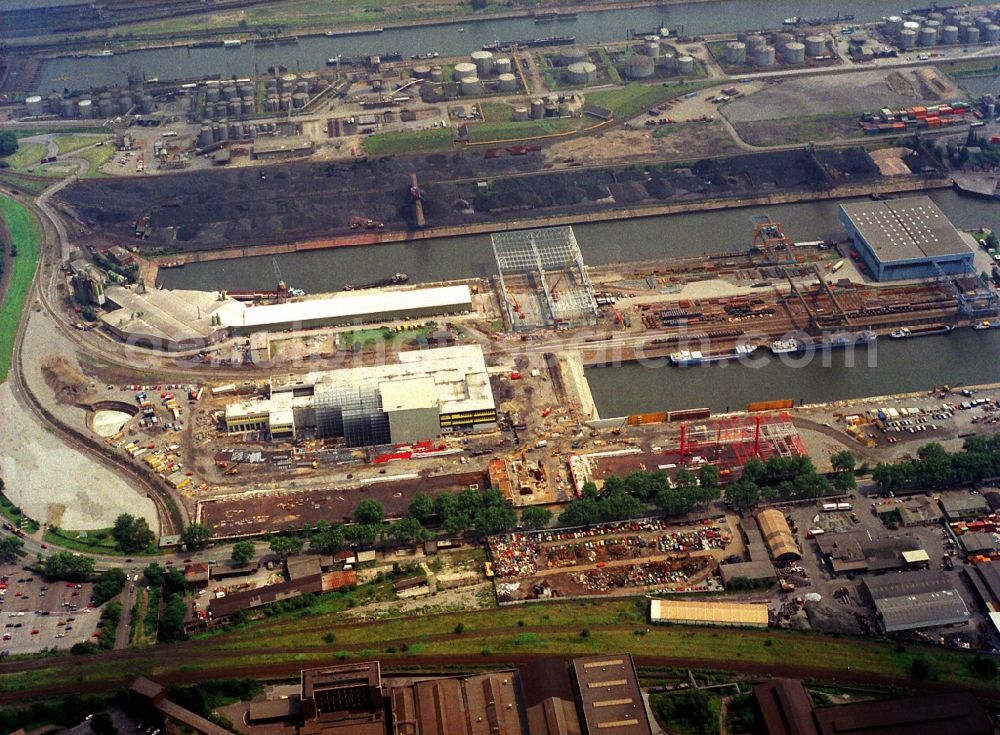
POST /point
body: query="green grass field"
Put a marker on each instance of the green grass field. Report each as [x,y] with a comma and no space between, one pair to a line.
[67,143]
[97,157]
[633,98]
[24,232]
[29,185]
[418,141]
[27,154]
[509,130]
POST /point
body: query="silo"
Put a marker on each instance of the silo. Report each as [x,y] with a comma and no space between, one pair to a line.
[311,79]
[465,70]
[205,136]
[564,109]
[935,24]
[537,109]
[927,37]
[105,107]
[483,61]
[755,42]
[55,103]
[85,109]
[781,40]
[271,103]
[551,109]
[285,101]
[247,90]
[651,46]
[521,114]
[212,94]
[421,72]
[892,26]
[971,34]
[301,86]
[685,64]
[216,133]
[235,131]
[251,131]
[437,74]
[668,62]
[907,38]
[271,83]
[229,92]
[147,104]
[935,17]
[795,53]
[639,67]
[287,82]
[583,72]
[68,108]
[470,86]
[34,104]
[234,108]
[761,57]
[223,130]
[951,17]
[508,82]
[502,65]
[300,100]
[736,52]
[815,46]
[911,25]
[991,34]
[571,55]
[982,22]
[249,105]
[221,109]
[948,35]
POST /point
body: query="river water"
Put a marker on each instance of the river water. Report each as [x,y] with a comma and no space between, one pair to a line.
[312,53]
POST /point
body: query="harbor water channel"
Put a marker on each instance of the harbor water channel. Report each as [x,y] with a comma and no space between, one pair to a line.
[312,52]
[889,366]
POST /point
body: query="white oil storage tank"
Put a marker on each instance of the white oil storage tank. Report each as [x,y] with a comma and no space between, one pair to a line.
[971,34]
[639,67]
[437,74]
[421,72]
[564,110]
[105,107]
[68,108]
[762,57]
[907,38]
[781,40]
[483,61]
[927,37]
[991,34]
[735,52]
[34,105]
[502,65]
[205,136]
[948,35]
[55,103]
[507,82]
[815,46]
[465,70]
[249,105]
[521,114]
[892,25]
[85,109]
[755,42]
[583,72]
[571,55]
[300,100]
[537,109]
[685,64]
[470,86]
[213,94]
[795,53]
[667,62]
[651,46]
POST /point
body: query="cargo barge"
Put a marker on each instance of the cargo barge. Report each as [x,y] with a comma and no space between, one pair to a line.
[906,332]
[394,280]
[530,43]
[696,357]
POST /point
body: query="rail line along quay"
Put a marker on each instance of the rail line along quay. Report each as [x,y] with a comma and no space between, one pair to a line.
[566,369]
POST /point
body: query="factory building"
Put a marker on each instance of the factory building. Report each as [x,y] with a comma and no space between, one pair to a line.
[915,600]
[905,238]
[351,308]
[426,394]
[282,147]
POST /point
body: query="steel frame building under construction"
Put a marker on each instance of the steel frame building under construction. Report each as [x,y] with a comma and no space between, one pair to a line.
[543,279]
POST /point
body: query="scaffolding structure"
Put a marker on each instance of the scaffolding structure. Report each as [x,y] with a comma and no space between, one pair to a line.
[729,442]
[976,298]
[543,279]
[353,412]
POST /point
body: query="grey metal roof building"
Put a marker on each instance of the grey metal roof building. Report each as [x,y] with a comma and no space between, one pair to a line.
[914,600]
[963,506]
[905,238]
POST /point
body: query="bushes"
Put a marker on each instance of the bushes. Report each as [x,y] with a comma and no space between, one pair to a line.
[691,711]
[206,696]
[109,584]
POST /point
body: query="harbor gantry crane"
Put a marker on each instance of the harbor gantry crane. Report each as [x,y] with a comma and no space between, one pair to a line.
[768,237]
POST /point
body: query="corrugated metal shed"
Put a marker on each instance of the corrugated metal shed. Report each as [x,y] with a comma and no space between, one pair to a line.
[708,613]
[914,600]
[778,535]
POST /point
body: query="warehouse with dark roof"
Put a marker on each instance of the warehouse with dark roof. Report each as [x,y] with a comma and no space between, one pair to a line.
[905,238]
[915,600]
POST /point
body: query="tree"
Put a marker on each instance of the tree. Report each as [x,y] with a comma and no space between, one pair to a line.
[172,625]
[64,565]
[743,494]
[369,512]
[285,545]
[362,534]
[243,552]
[495,519]
[708,476]
[102,724]
[421,507]
[407,530]
[8,143]
[11,548]
[153,574]
[132,534]
[535,516]
[196,536]
[843,461]
[109,585]
[327,538]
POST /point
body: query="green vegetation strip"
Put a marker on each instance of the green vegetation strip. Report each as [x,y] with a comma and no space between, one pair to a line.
[25,234]
[633,98]
[418,141]
[69,143]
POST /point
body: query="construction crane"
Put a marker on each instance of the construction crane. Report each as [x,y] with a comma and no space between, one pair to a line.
[554,289]
[282,286]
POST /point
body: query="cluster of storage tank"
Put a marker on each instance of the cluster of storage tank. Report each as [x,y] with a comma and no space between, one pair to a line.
[470,74]
[652,55]
[942,28]
[103,105]
[756,49]
[287,92]
[542,107]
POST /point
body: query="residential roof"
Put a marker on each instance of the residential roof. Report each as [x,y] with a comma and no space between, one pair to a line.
[956,713]
[778,535]
[697,612]
[911,228]
[351,305]
[785,707]
[610,698]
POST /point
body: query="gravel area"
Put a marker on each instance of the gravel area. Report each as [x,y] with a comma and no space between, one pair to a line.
[56,484]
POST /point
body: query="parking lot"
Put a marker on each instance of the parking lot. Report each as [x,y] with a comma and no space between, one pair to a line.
[38,615]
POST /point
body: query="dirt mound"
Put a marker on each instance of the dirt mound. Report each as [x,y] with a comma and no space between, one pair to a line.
[69,385]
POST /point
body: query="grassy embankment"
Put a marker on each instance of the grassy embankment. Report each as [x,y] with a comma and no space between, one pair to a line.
[25,234]
[318,634]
